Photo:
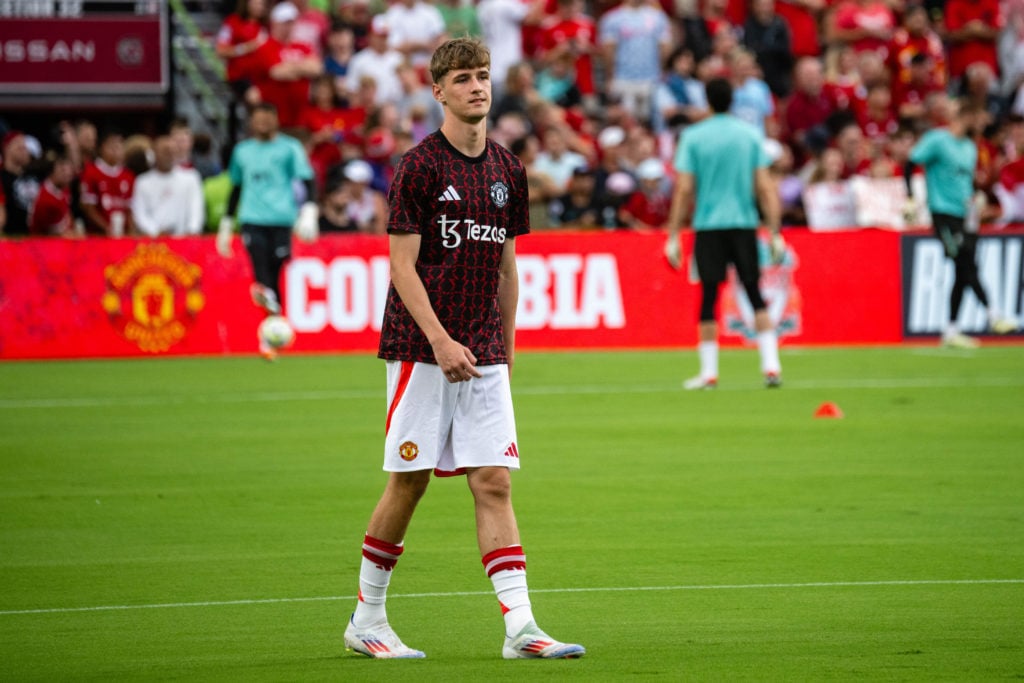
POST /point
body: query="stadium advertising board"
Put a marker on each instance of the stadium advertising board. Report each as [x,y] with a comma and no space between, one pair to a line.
[928,278]
[52,49]
[127,297]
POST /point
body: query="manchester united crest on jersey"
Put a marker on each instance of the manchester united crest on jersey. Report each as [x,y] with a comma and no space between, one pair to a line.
[499,194]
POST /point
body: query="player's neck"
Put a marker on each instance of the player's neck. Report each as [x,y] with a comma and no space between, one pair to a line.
[468,138]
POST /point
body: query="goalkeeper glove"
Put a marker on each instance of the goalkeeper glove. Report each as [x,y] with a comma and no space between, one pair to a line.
[777,248]
[307,225]
[225,232]
[673,252]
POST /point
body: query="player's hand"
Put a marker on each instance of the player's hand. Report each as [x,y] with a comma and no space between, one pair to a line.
[673,252]
[457,363]
[307,225]
[225,231]
[777,248]
[909,212]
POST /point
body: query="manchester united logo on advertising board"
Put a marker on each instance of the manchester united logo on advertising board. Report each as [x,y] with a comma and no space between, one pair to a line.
[153,296]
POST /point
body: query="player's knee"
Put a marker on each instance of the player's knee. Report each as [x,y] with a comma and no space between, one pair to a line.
[409,486]
[490,484]
[708,301]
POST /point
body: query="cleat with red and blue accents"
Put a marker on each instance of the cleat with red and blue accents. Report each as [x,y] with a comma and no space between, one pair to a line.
[379,642]
[532,643]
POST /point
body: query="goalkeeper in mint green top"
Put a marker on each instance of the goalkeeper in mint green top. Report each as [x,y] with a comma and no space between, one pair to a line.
[265,170]
[723,173]
[949,158]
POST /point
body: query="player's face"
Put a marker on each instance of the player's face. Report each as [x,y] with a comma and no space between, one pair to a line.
[263,123]
[466,93]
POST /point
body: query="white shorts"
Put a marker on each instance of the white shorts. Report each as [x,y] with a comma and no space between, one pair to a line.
[436,424]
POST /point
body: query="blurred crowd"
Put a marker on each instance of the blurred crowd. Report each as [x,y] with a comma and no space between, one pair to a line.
[589,94]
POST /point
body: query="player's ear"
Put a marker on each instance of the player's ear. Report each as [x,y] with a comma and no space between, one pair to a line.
[439,94]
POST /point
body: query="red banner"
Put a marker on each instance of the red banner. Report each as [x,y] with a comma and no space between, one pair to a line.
[103,298]
[99,55]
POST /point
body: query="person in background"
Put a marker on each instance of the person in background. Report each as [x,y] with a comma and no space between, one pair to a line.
[351,205]
[285,68]
[635,38]
[264,170]
[767,35]
[182,141]
[415,28]
[242,34]
[723,173]
[380,62]
[648,206]
[51,213]
[577,208]
[168,199]
[106,189]
[950,157]
[18,185]
[448,338]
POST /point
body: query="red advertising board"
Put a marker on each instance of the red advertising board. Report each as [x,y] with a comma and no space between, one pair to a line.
[106,298]
[90,53]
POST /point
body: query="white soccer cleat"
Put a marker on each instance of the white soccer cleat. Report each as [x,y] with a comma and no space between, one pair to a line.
[960,341]
[697,383]
[265,298]
[532,643]
[379,642]
[1004,326]
[772,380]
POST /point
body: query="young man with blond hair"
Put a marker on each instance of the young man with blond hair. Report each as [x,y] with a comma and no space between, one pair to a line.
[457,203]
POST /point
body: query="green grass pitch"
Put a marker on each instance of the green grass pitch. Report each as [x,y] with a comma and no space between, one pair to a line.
[200,520]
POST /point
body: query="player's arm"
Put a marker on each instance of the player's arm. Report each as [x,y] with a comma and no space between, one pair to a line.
[508,298]
[682,200]
[771,209]
[453,358]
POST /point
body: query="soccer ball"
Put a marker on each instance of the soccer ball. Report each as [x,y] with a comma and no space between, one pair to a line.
[276,332]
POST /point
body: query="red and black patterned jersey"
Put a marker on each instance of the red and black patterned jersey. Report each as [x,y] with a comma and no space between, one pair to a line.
[464,209]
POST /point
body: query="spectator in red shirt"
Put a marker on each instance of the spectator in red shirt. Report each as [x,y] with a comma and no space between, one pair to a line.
[570,31]
[241,35]
[648,206]
[51,213]
[328,122]
[910,97]
[311,27]
[972,29]
[106,189]
[802,18]
[875,117]
[285,69]
[863,24]
[811,103]
[916,37]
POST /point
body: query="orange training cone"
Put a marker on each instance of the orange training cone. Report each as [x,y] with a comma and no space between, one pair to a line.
[828,409]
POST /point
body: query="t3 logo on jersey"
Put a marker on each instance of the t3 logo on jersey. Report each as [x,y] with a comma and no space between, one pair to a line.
[451,237]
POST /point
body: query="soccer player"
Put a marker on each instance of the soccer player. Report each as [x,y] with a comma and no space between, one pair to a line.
[949,157]
[723,162]
[263,169]
[458,202]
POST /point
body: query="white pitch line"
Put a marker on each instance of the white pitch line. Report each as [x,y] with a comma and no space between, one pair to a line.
[456,594]
[578,389]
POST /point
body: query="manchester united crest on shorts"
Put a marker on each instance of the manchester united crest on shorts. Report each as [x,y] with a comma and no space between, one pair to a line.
[499,194]
[408,451]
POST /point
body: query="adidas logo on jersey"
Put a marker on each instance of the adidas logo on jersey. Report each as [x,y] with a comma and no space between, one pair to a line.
[450,195]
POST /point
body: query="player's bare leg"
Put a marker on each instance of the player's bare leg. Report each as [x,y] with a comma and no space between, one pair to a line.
[368,631]
[505,564]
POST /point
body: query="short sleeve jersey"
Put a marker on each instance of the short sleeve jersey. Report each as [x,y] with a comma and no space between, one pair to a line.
[949,164]
[723,154]
[265,170]
[464,210]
